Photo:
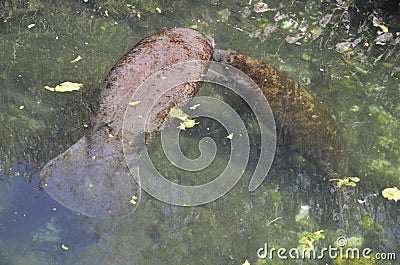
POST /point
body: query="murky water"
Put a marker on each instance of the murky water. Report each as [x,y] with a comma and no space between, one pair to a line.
[357,80]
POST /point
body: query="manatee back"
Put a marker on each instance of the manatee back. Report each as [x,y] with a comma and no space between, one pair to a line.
[92,176]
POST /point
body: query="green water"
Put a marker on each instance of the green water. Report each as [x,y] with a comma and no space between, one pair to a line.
[359,85]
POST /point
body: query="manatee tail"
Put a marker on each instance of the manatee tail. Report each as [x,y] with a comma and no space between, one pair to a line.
[92,179]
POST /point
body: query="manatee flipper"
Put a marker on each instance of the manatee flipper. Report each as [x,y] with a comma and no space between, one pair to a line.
[93,180]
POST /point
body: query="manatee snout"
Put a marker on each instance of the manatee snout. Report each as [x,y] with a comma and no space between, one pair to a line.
[222,56]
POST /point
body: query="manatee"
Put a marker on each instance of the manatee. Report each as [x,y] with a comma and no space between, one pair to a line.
[92,177]
[303,123]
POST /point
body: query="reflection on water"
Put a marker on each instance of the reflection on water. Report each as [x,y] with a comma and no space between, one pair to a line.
[357,84]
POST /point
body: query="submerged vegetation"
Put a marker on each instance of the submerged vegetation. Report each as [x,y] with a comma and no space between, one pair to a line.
[134,8]
[307,239]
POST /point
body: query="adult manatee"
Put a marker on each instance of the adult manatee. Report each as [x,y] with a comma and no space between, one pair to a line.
[92,177]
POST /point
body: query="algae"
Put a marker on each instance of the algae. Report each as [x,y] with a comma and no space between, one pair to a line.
[50,233]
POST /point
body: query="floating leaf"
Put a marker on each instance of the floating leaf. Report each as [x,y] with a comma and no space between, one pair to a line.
[383,27]
[195,106]
[391,194]
[246,262]
[134,103]
[230,136]
[133,200]
[384,38]
[261,7]
[294,39]
[348,181]
[187,124]
[325,20]
[177,113]
[78,58]
[65,87]
[64,247]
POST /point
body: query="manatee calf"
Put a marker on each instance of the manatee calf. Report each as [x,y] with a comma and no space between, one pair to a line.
[303,122]
[92,176]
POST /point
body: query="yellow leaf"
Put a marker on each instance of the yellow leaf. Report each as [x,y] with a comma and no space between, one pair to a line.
[246,262]
[65,87]
[187,124]
[49,88]
[64,247]
[133,200]
[158,9]
[230,136]
[391,194]
[383,27]
[177,113]
[182,126]
[135,103]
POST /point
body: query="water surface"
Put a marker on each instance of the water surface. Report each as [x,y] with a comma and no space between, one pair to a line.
[357,80]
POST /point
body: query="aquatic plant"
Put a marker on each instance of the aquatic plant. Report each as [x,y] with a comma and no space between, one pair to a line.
[307,239]
[354,261]
[14,252]
[134,8]
[50,233]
